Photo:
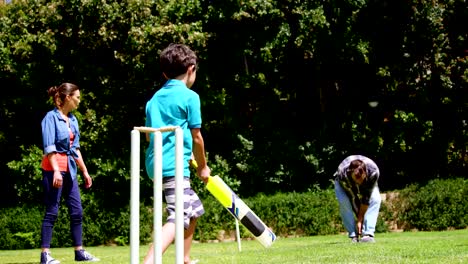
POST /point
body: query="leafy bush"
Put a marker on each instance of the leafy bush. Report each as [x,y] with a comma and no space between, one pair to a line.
[383,225]
[291,214]
[311,213]
[20,227]
[216,224]
[27,174]
[439,205]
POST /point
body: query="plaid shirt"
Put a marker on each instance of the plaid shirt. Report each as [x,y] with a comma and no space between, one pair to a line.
[357,194]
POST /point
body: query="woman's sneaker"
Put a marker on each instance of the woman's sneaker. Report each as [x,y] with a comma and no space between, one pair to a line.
[46,258]
[82,255]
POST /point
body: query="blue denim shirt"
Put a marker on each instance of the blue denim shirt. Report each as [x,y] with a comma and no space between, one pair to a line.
[56,137]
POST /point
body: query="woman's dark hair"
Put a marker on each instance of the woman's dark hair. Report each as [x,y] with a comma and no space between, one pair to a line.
[175,60]
[58,93]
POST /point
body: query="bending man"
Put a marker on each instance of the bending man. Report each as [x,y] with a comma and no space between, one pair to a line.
[358,194]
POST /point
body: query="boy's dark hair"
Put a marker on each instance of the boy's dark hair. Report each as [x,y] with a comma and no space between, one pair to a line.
[175,60]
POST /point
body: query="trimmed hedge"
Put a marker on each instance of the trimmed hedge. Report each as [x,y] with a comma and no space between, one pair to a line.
[439,205]
[291,214]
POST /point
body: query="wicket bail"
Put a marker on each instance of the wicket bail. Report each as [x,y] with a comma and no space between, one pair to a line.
[157,193]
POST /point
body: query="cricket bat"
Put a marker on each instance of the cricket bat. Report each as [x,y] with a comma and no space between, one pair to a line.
[221,191]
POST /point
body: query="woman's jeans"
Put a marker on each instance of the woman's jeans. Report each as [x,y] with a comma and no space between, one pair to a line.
[71,194]
[348,216]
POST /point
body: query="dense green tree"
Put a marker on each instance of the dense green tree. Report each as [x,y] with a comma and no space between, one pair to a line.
[285,87]
[111,51]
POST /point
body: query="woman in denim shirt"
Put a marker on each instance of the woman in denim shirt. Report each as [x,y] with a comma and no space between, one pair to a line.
[62,156]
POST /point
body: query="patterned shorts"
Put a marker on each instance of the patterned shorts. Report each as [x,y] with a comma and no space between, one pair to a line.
[193,207]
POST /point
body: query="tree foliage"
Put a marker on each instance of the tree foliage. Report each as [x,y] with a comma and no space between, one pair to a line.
[285,86]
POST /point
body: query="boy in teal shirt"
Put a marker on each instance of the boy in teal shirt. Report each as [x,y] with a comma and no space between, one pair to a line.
[176,105]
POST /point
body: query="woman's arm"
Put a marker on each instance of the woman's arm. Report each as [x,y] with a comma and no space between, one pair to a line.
[80,162]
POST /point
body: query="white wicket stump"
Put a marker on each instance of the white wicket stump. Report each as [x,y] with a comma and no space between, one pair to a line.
[157,193]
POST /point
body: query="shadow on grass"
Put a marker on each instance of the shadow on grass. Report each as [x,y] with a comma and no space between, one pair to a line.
[334,243]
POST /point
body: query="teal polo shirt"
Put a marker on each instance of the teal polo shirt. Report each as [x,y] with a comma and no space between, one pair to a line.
[172,105]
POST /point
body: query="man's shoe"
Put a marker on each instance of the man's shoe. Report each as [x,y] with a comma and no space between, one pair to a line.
[46,258]
[368,239]
[82,255]
[354,239]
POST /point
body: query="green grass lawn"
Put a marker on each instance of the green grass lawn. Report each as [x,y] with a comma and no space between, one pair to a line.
[406,247]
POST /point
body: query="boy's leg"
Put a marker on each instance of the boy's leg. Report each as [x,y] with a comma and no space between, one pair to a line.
[346,210]
[188,237]
[149,258]
[370,218]
[193,208]
[168,234]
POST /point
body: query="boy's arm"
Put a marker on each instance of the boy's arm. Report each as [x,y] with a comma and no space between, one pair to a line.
[198,150]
